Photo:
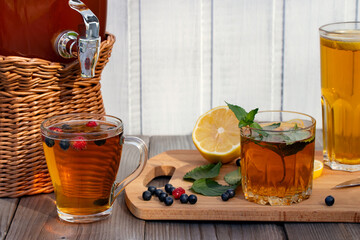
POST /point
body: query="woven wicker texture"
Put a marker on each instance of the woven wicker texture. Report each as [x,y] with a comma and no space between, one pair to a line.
[32,90]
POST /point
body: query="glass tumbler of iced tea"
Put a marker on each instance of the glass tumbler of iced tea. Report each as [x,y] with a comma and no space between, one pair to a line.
[340,94]
[83,153]
[277,161]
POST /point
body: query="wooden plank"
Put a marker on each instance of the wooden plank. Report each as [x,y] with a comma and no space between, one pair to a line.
[7,211]
[201,230]
[115,84]
[170,65]
[247,53]
[323,231]
[302,50]
[36,216]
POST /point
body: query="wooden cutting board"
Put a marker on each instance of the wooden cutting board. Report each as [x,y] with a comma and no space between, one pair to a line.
[176,163]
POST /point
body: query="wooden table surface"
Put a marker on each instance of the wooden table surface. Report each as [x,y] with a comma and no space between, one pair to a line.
[35,217]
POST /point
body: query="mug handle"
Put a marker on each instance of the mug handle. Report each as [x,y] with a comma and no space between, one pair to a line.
[143,150]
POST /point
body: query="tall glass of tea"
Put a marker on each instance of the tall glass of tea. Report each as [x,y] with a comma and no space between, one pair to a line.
[83,153]
[340,94]
[277,161]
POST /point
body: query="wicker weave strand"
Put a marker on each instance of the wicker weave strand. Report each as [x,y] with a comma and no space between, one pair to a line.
[32,90]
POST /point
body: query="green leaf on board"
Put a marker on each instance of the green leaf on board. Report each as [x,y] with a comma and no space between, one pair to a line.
[205,171]
[233,178]
[209,187]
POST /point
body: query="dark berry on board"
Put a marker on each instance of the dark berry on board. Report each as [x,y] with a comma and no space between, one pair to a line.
[168,187]
[184,198]
[225,196]
[100,142]
[65,127]
[231,193]
[168,201]
[329,200]
[171,190]
[146,195]
[192,199]
[158,192]
[64,144]
[162,196]
[49,142]
[152,189]
[238,162]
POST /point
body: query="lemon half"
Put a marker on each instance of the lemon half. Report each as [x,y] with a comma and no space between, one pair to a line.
[217,136]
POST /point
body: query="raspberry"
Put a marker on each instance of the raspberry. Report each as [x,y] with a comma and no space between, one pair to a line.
[79,143]
[91,124]
[178,192]
[55,129]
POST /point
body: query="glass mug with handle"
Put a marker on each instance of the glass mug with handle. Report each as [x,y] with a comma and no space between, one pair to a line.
[83,154]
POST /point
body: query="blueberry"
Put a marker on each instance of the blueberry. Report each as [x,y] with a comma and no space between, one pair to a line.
[184,198]
[168,201]
[158,192]
[101,201]
[49,142]
[64,144]
[167,187]
[152,189]
[162,196]
[329,200]
[192,199]
[171,190]
[146,195]
[225,196]
[238,162]
[65,127]
[100,142]
[231,193]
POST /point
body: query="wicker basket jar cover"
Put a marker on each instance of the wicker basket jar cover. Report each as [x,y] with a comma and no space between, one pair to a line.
[31,90]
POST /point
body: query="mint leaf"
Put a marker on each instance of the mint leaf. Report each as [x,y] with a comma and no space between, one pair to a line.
[251,115]
[272,126]
[233,178]
[209,187]
[239,112]
[205,171]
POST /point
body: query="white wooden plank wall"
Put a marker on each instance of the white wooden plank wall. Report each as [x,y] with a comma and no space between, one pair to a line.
[175,59]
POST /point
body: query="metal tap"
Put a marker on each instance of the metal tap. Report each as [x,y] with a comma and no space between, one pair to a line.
[86,48]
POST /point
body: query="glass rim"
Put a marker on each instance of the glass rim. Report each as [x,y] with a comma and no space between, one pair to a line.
[324,31]
[47,132]
[313,121]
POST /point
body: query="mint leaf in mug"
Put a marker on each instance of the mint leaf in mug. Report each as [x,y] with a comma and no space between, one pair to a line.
[209,187]
[205,171]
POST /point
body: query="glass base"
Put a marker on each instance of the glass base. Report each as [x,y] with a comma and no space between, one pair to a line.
[84,218]
[277,201]
[334,165]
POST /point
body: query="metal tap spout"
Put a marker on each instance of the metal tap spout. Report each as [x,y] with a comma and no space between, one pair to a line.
[88,46]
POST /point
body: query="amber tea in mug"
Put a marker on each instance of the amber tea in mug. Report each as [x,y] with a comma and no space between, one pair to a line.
[83,154]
